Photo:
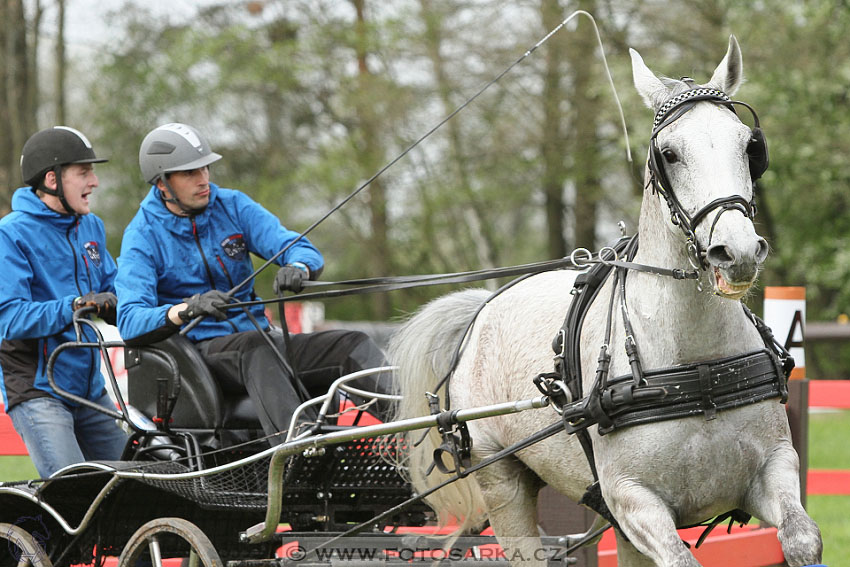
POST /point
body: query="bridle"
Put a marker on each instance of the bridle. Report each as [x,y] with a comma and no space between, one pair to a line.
[673,109]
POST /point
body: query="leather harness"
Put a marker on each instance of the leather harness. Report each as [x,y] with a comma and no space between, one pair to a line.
[698,388]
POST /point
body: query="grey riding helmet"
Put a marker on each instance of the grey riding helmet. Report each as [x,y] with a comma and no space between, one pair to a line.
[173,147]
[56,146]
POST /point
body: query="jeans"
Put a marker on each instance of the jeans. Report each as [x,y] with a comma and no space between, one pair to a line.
[58,435]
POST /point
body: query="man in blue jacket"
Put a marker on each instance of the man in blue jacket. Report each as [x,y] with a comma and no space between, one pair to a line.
[189,243]
[55,261]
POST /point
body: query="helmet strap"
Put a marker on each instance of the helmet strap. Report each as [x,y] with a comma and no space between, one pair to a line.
[59,191]
[173,198]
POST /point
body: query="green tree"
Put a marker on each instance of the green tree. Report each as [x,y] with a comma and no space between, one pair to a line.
[308,99]
[17,100]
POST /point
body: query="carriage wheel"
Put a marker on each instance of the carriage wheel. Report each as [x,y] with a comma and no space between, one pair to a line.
[23,549]
[169,538]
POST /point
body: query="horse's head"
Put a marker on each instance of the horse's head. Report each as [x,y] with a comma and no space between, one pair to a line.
[704,161]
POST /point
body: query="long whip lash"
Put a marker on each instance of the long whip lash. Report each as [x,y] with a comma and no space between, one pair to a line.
[409,148]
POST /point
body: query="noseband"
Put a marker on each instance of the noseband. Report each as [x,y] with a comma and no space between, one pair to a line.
[672,110]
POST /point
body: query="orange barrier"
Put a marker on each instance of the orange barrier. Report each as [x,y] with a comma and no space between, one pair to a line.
[836,482]
[10,442]
[747,546]
[829,394]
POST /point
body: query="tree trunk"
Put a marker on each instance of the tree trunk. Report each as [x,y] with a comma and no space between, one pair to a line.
[14,112]
[585,139]
[33,89]
[59,90]
[554,150]
[479,229]
[370,159]
[5,180]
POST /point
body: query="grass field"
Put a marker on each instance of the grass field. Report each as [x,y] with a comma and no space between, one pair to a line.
[16,468]
[829,448]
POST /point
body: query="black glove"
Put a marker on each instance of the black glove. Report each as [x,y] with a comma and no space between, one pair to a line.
[104,302]
[289,278]
[207,303]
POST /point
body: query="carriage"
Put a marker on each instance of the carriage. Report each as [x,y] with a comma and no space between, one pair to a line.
[679,426]
[198,481]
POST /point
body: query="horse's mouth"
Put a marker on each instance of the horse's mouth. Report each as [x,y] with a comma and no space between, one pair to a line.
[729,290]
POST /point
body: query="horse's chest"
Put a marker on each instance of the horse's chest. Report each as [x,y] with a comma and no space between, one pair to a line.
[697,467]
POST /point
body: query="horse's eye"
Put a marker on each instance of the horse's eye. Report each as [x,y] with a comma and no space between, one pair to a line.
[669,156]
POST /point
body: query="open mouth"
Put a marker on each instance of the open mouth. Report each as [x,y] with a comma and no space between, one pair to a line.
[729,290]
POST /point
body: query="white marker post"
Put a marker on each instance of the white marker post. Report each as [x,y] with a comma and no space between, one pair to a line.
[785,314]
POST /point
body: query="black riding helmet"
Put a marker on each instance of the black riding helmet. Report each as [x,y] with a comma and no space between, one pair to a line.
[50,149]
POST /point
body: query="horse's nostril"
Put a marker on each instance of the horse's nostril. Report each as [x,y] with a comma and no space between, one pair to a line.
[761,250]
[720,255]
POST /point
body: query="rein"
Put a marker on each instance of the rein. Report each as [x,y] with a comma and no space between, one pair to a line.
[580,259]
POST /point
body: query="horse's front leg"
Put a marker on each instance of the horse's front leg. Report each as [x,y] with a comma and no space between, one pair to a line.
[774,497]
[648,523]
[510,494]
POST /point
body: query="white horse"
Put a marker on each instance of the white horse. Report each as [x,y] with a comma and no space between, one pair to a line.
[657,476]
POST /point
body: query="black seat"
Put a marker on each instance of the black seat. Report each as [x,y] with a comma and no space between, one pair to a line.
[202,407]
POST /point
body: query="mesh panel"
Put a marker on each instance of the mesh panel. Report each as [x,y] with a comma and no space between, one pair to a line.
[361,470]
[242,487]
[349,474]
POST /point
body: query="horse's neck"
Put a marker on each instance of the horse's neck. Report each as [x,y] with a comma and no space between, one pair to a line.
[682,323]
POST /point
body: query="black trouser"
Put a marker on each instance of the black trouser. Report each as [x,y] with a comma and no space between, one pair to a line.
[245,362]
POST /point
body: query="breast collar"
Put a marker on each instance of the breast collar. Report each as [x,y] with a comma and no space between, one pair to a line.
[703,387]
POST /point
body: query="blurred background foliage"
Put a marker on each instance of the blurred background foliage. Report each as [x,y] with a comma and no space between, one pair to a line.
[307,99]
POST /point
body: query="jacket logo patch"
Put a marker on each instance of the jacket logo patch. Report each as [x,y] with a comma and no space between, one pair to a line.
[93,252]
[235,247]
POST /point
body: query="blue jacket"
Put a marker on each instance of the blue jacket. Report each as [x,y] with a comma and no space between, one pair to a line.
[48,260]
[166,258]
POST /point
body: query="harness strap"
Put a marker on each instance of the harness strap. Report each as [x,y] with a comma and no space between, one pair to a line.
[735,516]
[682,391]
[708,406]
[671,111]
[593,499]
[567,345]
[456,441]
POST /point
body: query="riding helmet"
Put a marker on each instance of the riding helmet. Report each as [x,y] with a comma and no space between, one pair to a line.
[173,147]
[59,145]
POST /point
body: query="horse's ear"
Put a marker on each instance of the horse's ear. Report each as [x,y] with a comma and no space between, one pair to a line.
[730,73]
[650,87]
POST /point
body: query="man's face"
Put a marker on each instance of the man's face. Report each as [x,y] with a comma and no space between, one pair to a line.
[78,182]
[191,188]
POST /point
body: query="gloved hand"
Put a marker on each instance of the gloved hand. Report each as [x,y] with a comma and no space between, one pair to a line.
[207,303]
[289,278]
[104,301]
